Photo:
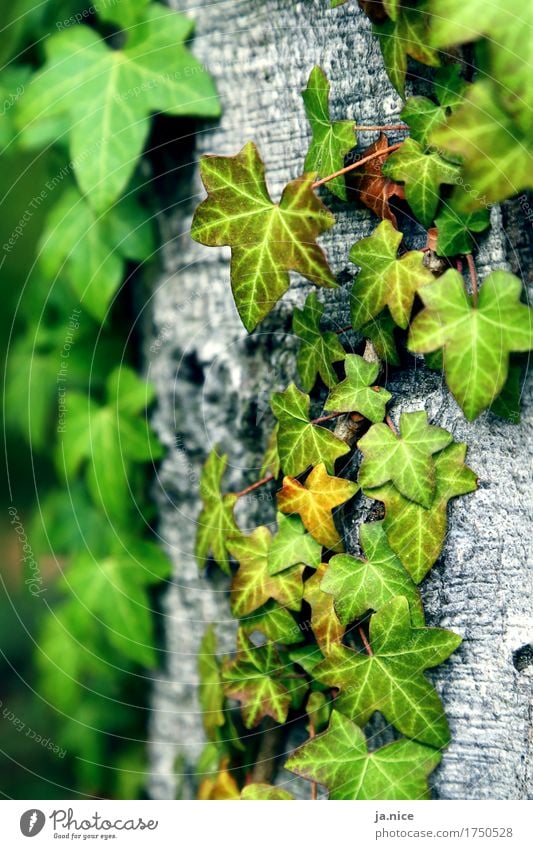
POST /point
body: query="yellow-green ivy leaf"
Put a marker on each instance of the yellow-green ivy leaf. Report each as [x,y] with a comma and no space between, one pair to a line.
[331,140]
[216,521]
[291,545]
[360,584]
[385,280]
[300,442]
[391,679]
[210,691]
[318,350]
[267,239]
[324,621]
[415,533]
[357,393]
[339,760]
[264,792]
[405,459]
[476,340]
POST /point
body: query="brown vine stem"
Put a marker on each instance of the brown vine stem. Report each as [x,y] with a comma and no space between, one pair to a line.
[343,329]
[367,128]
[391,424]
[365,641]
[473,276]
[327,418]
[358,164]
[253,486]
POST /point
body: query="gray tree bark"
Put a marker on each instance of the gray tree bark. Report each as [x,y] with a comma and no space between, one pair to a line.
[213,385]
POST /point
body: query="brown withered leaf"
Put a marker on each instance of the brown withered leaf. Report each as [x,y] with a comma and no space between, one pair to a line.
[371,187]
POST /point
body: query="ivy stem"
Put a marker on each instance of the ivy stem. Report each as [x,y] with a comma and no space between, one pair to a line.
[314,786]
[367,128]
[473,277]
[343,329]
[358,164]
[365,641]
[391,424]
[327,418]
[253,486]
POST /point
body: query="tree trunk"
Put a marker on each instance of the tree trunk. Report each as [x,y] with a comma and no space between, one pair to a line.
[214,381]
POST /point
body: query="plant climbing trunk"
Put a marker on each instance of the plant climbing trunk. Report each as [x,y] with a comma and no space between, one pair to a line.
[213,382]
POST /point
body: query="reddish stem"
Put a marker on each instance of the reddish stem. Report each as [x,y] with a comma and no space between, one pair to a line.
[391,424]
[365,641]
[358,164]
[473,277]
[253,486]
[327,418]
[343,329]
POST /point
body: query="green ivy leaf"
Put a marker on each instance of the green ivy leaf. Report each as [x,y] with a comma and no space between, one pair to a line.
[268,240]
[260,792]
[113,591]
[314,500]
[391,679]
[93,249]
[450,87]
[406,460]
[317,350]
[318,710]
[358,585]
[357,393]
[405,35]
[216,521]
[331,140]
[423,174]
[415,533]
[380,331]
[385,280]
[108,95]
[454,229]
[291,545]
[210,691]
[275,623]
[13,81]
[339,760]
[496,153]
[300,442]
[422,117]
[324,621]
[476,340]
[270,464]
[250,680]
[125,13]
[253,585]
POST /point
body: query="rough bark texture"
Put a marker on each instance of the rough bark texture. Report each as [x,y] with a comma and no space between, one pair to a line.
[213,384]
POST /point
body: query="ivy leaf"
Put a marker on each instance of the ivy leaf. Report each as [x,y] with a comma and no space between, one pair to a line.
[250,680]
[339,760]
[267,240]
[324,621]
[406,460]
[476,340]
[454,229]
[126,13]
[380,331]
[318,709]
[275,623]
[220,787]
[356,392]
[300,442]
[422,116]
[391,679]
[358,585]
[314,500]
[216,521]
[406,35]
[292,545]
[113,590]
[317,350]
[13,80]
[496,154]
[259,792]
[93,249]
[253,586]
[371,187]
[423,174]
[450,87]
[210,692]
[108,95]
[385,280]
[270,464]
[415,533]
[331,140]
